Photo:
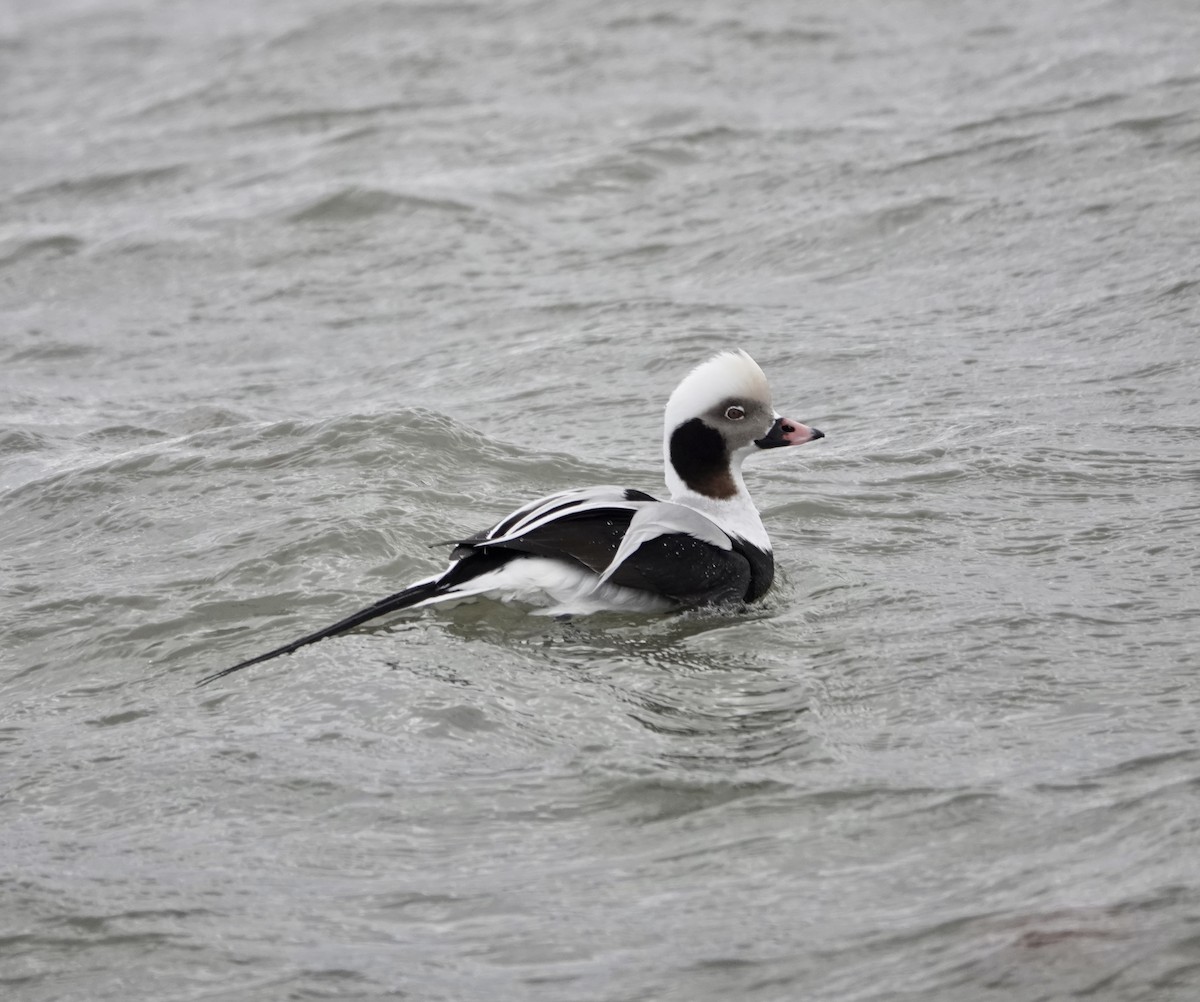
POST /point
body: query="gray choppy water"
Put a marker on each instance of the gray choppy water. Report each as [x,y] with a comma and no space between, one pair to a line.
[292,291]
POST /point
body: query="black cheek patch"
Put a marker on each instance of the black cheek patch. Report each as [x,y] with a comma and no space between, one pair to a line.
[699,457]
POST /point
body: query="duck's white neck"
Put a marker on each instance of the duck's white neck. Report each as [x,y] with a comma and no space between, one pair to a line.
[736,514]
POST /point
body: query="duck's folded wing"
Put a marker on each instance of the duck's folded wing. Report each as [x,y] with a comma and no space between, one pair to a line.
[664,518]
[628,539]
[573,502]
[676,551]
[688,571]
[582,526]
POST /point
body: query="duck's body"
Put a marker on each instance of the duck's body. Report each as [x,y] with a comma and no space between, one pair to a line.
[612,548]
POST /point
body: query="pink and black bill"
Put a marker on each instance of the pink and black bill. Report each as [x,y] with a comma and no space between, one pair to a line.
[785,431]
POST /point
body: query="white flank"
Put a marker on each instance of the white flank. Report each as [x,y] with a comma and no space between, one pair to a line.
[558,588]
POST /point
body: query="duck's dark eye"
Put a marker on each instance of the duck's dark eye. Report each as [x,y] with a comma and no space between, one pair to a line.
[735,413]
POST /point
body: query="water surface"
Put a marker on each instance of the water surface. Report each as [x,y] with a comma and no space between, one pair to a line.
[291,292]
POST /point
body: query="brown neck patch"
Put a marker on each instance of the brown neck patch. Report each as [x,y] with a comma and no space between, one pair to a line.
[699,456]
[720,485]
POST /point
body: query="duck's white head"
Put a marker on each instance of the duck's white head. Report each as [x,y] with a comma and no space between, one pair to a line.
[720,414]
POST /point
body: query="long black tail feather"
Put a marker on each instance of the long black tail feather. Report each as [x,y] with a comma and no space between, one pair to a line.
[401,600]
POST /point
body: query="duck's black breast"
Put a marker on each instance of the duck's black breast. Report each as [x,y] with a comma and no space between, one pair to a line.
[693,572]
[762,568]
